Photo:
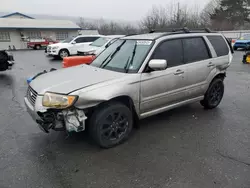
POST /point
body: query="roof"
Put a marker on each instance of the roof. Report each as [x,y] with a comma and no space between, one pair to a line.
[114,36]
[16,23]
[147,36]
[17,13]
[156,35]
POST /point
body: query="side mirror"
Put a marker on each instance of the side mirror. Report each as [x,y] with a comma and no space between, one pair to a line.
[73,42]
[158,64]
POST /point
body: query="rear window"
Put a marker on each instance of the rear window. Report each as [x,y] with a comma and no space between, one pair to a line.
[195,49]
[219,44]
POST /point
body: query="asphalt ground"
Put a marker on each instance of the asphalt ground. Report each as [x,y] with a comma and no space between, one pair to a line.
[188,147]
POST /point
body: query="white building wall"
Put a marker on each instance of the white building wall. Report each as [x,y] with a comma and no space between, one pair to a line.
[15,37]
[52,33]
[15,40]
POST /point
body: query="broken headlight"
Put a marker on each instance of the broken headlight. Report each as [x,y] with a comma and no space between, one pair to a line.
[58,101]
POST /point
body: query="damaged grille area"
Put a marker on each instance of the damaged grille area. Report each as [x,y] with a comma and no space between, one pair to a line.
[31,95]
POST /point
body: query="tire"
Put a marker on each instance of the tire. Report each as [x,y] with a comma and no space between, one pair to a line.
[111,124]
[235,48]
[3,56]
[63,53]
[214,94]
[3,61]
[37,47]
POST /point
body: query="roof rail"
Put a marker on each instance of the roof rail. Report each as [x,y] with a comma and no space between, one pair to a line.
[183,30]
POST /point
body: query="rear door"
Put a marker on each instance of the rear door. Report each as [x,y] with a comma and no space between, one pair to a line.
[222,49]
[199,65]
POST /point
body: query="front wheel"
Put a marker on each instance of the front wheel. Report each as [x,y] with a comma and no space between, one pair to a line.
[63,53]
[235,48]
[111,124]
[214,94]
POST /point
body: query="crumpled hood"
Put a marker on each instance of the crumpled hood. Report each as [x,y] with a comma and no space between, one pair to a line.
[70,79]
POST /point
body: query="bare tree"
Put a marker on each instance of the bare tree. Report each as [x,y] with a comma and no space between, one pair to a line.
[84,24]
[208,11]
[171,16]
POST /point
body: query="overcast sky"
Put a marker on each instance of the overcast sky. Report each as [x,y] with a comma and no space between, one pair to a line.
[110,9]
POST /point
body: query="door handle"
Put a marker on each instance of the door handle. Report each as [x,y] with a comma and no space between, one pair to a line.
[178,72]
[210,64]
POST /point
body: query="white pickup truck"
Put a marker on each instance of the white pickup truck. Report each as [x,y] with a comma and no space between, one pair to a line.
[70,46]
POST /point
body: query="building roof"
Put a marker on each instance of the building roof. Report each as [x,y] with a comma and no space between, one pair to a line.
[15,23]
[16,13]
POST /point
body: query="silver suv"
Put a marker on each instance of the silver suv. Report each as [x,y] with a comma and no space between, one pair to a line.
[136,77]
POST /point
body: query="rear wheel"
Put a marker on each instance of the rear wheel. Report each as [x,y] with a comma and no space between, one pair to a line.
[63,53]
[111,124]
[214,94]
[37,47]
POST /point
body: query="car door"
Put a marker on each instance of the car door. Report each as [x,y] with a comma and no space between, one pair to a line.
[199,65]
[77,45]
[162,88]
[81,42]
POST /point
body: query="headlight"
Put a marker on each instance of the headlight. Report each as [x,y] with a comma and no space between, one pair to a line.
[58,101]
[55,47]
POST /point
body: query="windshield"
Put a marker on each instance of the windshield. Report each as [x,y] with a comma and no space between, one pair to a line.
[100,42]
[124,55]
[68,40]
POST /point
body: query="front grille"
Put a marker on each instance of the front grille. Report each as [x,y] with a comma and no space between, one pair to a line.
[31,95]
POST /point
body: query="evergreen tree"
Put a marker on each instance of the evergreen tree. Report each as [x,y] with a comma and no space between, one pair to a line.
[235,12]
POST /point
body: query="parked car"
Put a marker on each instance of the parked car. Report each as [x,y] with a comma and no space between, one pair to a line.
[93,50]
[6,60]
[70,46]
[37,44]
[98,45]
[243,42]
[136,77]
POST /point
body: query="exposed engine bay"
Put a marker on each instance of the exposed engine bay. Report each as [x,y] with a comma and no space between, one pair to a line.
[71,120]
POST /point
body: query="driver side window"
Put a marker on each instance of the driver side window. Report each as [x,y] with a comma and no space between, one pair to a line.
[170,50]
[80,40]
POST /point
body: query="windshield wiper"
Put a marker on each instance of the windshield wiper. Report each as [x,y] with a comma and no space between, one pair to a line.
[130,63]
[104,63]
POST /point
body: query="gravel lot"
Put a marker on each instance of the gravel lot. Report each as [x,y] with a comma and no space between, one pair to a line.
[182,148]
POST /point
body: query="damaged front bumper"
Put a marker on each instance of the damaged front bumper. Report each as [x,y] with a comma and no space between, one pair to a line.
[71,120]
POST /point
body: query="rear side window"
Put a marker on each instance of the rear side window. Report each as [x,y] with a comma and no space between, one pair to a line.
[195,49]
[171,51]
[219,44]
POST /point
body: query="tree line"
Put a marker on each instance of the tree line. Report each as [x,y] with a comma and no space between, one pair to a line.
[217,15]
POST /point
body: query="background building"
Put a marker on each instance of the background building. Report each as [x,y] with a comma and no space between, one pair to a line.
[17,29]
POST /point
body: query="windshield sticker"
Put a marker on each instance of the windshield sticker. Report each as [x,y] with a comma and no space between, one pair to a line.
[143,42]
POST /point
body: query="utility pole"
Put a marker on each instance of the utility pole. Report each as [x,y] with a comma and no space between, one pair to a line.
[178,14]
